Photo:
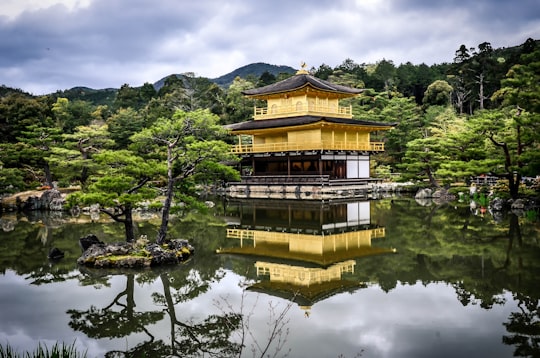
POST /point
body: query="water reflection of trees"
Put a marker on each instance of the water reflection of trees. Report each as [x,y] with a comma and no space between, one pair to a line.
[191,338]
[482,258]
[25,250]
[448,244]
[118,319]
[225,333]
[211,336]
[523,327]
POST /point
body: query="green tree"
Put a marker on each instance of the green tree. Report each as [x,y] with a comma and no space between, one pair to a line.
[412,80]
[521,86]
[341,77]
[461,78]
[424,155]
[100,114]
[37,142]
[172,96]
[72,159]
[11,179]
[213,98]
[13,174]
[123,124]
[203,94]
[266,78]
[521,91]
[146,93]
[238,107]
[185,143]
[349,73]
[69,115]
[461,94]
[468,151]
[409,121]
[384,76]
[438,94]
[512,134]
[175,94]
[485,70]
[26,145]
[120,186]
[19,111]
[134,97]
[323,72]
[172,83]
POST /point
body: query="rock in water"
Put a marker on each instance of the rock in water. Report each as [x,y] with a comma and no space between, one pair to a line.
[89,240]
[424,194]
[133,254]
[55,254]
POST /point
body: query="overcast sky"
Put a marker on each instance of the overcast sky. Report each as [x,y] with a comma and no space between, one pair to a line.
[47,45]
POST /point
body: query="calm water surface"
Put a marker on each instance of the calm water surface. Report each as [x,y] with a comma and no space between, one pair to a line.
[382,278]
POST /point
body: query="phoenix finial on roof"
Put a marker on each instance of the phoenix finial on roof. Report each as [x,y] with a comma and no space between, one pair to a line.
[302,70]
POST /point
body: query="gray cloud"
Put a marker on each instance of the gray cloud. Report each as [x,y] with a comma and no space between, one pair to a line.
[111,42]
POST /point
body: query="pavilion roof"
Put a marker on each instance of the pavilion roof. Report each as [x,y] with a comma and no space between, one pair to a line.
[306,296]
[302,120]
[272,250]
[299,81]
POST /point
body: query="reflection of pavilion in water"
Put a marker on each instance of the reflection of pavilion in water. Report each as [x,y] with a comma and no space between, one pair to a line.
[307,250]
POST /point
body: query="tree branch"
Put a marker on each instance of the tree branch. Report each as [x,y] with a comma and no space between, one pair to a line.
[139,185]
[115,217]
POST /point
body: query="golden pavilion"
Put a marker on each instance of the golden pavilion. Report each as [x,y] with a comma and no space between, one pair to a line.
[304,251]
[304,144]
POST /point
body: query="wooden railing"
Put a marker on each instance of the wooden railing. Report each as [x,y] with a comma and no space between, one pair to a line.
[293,110]
[284,179]
[291,147]
[378,233]
[245,234]
[240,234]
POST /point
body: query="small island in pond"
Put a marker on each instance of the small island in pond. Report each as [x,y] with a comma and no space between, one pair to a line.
[140,253]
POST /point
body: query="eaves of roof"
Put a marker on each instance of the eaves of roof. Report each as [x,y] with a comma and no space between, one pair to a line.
[301,120]
[298,81]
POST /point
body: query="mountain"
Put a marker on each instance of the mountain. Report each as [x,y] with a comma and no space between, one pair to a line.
[106,96]
[254,69]
[103,96]
[6,91]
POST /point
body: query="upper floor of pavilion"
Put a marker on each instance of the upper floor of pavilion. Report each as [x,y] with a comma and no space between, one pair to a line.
[302,95]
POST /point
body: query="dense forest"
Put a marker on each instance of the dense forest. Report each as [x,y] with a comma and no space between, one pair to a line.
[476,115]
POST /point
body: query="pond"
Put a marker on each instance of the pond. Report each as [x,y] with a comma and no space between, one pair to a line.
[381,278]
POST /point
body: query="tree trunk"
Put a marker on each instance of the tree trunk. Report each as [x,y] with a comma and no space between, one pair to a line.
[432,180]
[170,310]
[481,91]
[127,212]
[128,224]
[514,177]
[48,175]
[84,170]
[513,184]
[162,233]
[514,232]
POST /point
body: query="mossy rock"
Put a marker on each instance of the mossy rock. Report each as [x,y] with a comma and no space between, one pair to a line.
[137,254]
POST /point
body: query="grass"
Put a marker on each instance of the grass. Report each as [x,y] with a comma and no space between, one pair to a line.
[42,351]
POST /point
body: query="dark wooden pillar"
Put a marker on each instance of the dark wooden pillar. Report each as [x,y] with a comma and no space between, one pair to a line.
[288,165]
